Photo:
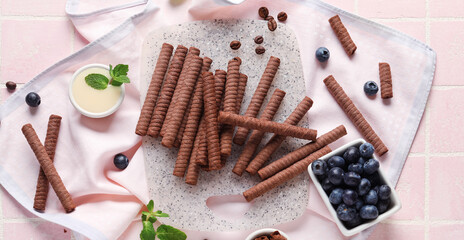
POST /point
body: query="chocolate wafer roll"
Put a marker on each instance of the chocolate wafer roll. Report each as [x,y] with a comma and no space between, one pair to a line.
[267,126]
[256,136]
[153,89]
[274,143]
[193,51]
[51,140]
[202,155]
[161,107]
[386,88]
[185,150]
[355,115]
[258,97]
[284,175]
[211,119]
[241,92]
[230,101]
[302,152]
[205,67]
[193,170]
[220,81]
[48,168]
[181,105]
[342,35]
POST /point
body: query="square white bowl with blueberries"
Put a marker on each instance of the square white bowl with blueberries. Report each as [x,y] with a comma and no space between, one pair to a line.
[353,187]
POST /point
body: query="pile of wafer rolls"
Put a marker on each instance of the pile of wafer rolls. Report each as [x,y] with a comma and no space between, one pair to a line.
[196,109]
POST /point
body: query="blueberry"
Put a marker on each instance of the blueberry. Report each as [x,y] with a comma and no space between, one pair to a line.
[376,189]
[371,88]
[359,203]
[33,99]
[351,179]
[327,185]
[336,161]
[319,167]
[321,177]
[371,166]
[349,197]
[121,161]
[369,212]
[356,221]
[356,167]
[346,213]
[362,160]
[364,187]
[351,154]
[336,175]
[383,205]
[371,197]
[322,54]
[384,192]
[336,196]
[366,150]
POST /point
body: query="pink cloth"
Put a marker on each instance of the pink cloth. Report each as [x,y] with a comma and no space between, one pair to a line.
[108,199]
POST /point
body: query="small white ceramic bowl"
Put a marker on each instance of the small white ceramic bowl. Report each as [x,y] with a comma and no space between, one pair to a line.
[92,114]
[263,231]
[395,204]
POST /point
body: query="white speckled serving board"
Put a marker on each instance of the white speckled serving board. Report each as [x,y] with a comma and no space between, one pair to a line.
[187,204]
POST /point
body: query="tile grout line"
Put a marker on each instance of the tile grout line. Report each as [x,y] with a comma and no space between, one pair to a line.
[427,138]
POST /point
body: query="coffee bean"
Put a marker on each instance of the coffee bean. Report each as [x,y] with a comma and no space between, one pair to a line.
[235,44]
[260,50]
[263,12]
[10,85]
[272,25]
[259,39]
[269,18]
[282,16]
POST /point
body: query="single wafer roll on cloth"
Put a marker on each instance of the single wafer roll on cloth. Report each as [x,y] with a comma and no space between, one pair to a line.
[256,136]
[274,143]
[284,175]
[267,126]
[41,192]
[386,85]
[354,115]
[181,105]
[302,152]
[49,169]
[153,89]
[258,97]
[342,35]
[212,134]
[161,107]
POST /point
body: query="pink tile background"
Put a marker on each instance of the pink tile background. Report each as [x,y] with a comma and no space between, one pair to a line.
[35,34]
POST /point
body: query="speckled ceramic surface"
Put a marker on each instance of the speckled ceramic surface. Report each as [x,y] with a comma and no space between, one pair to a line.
[187,204]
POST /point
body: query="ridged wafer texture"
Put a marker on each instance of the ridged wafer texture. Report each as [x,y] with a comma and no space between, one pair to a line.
[202,155]
[284,175]
[205,67]
[241,92]
[230,101]
[386,87]
[274,143]
[48,168]
[258,97]
[302,152]
[267,126]
[41,192]
[256,136]
[191,128]
[193,170]
[181,105]
[153,89]
[220,81]
[342,35]
[161,107]
[193,51]
[211,118]
[355,115]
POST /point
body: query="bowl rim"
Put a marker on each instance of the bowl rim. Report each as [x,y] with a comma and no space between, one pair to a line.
[350,232]
[85,112]
[258,232]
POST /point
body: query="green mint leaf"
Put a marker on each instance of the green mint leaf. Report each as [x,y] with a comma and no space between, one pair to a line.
[123,79]
[166,232]
[150,205]
[120,70]
[97,81]
[161,214]
[116,83]
[148,231]
[144,218]
[111,71]
[152,219]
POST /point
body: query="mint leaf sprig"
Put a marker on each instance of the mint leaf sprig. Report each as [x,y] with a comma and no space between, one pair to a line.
[164,232]
[118,77]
